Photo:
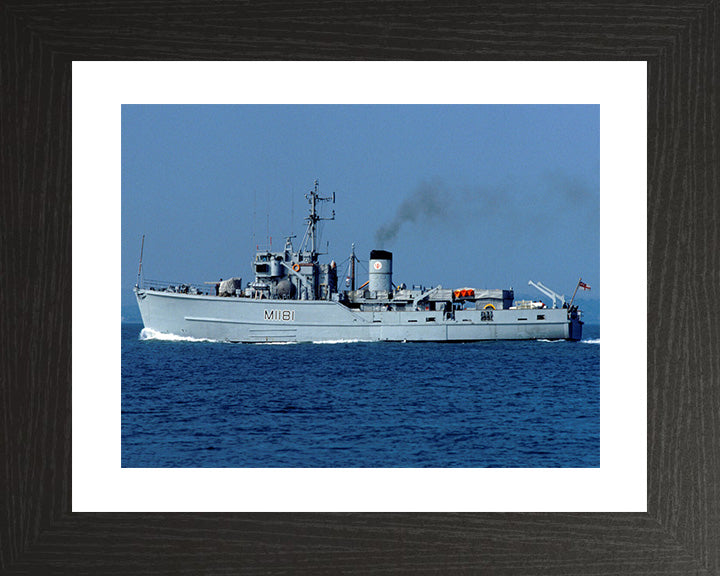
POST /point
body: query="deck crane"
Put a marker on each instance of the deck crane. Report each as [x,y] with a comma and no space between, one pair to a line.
[545,290]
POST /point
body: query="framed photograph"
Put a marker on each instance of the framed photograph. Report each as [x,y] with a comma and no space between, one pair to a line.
[653,506]
[522,410]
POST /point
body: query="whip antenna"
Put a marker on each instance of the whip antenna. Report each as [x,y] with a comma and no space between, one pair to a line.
[142,247]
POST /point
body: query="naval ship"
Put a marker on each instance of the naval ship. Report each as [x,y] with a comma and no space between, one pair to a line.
[295,298]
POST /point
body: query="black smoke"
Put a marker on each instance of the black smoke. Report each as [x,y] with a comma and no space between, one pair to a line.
[434,204]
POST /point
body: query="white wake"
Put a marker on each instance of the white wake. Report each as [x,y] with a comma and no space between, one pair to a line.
[150,334]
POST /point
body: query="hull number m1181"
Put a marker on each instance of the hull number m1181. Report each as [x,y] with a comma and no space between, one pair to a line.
[280,315]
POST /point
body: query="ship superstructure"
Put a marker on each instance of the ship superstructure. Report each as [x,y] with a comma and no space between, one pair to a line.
[296,298]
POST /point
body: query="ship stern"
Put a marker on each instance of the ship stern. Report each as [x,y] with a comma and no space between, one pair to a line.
[575,326]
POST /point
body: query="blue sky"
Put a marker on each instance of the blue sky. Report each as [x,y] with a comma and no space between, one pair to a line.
[477,195]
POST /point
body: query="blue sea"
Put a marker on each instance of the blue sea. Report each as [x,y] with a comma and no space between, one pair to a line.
[525,404]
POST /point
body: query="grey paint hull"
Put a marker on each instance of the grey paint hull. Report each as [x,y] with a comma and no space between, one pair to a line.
[249,320]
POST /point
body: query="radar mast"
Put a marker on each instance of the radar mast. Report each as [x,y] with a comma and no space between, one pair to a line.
[313,197]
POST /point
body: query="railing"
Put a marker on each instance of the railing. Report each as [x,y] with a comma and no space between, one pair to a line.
[177,287]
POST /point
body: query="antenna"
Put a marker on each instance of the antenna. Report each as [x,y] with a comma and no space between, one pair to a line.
[142,248]
[352,268]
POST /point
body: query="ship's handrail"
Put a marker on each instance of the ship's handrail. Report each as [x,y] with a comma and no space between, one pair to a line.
[177,287]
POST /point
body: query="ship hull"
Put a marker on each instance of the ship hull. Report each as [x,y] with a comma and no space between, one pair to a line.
[264,321]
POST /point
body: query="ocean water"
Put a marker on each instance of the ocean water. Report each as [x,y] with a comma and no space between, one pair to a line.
[526,404]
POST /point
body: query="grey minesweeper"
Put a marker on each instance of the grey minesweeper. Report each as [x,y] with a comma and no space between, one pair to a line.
[295,298]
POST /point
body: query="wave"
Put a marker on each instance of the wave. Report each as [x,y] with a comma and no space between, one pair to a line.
[592,341]
[150,334]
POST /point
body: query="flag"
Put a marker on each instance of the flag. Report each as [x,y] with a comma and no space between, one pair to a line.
[583,286]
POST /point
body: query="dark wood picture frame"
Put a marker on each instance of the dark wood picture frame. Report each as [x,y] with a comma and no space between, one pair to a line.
[680,533]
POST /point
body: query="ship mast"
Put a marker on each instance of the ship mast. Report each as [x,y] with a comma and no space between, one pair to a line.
[352,268]
[313,197]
